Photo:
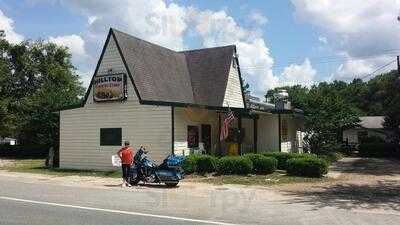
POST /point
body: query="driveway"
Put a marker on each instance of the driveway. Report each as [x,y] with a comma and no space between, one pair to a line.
[364,192]
[361,184]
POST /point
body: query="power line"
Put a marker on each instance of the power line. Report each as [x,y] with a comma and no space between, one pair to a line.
[379,68]
[348,59]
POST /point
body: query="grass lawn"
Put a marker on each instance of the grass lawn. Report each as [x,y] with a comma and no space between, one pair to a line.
[38,166]
[279,177]
[276,178]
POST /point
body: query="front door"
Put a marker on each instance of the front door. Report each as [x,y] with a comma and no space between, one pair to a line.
[206,137]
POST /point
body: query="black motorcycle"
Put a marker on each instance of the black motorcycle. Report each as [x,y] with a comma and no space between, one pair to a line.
[169,172]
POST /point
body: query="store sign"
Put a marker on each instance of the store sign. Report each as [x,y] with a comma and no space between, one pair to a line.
[111,87]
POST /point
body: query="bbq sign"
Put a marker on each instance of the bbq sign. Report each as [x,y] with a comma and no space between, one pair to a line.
[109,87]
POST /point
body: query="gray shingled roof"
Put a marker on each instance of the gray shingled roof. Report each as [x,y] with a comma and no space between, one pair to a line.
[163,75]
[372,122]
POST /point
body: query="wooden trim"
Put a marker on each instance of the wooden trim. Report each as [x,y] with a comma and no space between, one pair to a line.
[240,80]
[173,129]
[126,65]
[97,68]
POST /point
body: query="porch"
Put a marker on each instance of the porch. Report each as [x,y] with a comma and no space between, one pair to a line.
[197,130]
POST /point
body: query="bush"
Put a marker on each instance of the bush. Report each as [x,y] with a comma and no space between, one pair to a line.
[283,157]
[331,157]
[24,151]
[372,139]
[262,164]
[307,167]
[205,164]
[190,163]
[378,150]
[199,163]
[234,165]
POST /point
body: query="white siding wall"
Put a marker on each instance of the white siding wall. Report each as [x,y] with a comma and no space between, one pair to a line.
[141,125]
[268,133]
[187,117]
[233,94]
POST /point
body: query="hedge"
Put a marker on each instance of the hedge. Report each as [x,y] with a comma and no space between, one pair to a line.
[262,164]
[205,164]
[379,150]
[24,151]
[240,165]
[283,157]
[199,163]
[307,167]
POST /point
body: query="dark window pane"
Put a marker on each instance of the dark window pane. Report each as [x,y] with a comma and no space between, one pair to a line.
[193,136]
[111,136]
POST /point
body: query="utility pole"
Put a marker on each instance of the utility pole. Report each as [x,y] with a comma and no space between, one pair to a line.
[398,66]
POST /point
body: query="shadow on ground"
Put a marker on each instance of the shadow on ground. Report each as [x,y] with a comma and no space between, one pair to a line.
[368,183]
[382,195]
[372,166]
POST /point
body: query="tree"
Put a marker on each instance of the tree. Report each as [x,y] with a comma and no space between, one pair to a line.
[37,79]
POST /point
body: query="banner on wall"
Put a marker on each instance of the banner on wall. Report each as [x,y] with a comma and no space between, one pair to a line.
[110,87]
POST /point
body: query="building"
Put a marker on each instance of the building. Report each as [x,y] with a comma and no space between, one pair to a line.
[170,102]
[369,126]
[8,141]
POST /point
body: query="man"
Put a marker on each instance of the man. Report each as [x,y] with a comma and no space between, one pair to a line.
[126,156]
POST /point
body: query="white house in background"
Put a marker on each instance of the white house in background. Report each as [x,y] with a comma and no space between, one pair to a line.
[170,102]
[369,126]
[8,141]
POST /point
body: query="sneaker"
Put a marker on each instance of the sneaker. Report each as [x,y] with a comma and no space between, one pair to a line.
[128,185]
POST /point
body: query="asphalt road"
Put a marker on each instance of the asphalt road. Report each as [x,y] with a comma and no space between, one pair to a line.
[34,202]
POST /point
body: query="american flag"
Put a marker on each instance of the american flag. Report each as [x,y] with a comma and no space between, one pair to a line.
[229,118]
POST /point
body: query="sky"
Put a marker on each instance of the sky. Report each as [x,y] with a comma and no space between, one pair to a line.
[279,42]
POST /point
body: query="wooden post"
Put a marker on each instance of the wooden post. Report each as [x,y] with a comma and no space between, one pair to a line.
[279,131]
[255,134]
[219,134]
[173,130]
[240,134]
[398,66]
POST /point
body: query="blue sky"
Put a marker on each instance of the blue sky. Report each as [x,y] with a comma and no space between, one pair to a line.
[279,42]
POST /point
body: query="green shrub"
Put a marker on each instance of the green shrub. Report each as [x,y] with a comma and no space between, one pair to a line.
[29,151]
[378,150]
[262,164]
[234,165]
[307,167]
[331,157]
[190,163]
[205,164]
[283,157]
[199,163]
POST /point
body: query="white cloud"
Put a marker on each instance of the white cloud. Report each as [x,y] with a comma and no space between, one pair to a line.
[7,25]
[168,24]
[74,43]
[258,18]
[217,28]
[323,39]
[357,28]
[303,74]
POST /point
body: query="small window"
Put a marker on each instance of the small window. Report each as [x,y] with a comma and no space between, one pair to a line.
[111,136]
[193,136]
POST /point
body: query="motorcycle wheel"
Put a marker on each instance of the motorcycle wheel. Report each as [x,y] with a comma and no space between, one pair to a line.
[172,184]
[134,181]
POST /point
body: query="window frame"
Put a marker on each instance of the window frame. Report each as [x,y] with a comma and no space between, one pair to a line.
[111,142]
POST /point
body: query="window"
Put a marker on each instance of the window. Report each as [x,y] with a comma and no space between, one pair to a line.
[193,136]
[284,130]
[111,136]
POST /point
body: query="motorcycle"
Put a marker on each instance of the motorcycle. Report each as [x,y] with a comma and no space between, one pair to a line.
[169,172]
